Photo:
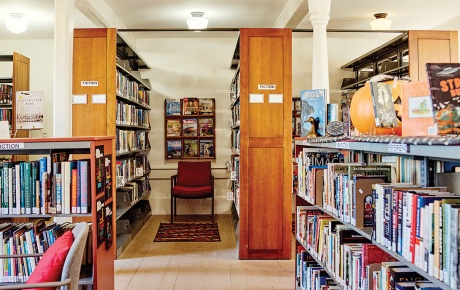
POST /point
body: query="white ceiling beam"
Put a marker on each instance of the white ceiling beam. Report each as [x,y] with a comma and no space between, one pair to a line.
[293,13]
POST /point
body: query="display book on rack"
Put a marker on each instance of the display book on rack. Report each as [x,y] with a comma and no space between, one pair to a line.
[34,237]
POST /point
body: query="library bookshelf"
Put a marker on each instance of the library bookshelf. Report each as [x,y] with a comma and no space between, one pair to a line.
[118,104]
[400,234]
[99,274]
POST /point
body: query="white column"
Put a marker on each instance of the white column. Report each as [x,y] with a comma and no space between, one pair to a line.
[319,18]
[63,57]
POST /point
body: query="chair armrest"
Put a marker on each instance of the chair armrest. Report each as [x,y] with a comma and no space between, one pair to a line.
[212,181]
[18,286]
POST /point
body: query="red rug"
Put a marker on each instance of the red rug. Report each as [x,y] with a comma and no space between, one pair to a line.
[188,232]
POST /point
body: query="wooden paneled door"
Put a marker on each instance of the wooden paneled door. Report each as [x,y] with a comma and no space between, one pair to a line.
[265,151]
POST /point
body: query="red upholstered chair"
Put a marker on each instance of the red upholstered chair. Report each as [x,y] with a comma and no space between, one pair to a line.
[192,181]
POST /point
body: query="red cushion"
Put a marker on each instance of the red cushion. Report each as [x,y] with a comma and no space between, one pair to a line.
[192,191]
[49,268]
[194,173]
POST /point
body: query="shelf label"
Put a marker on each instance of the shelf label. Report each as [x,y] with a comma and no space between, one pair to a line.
[233,176]
[8,146]
[342,145]
[89,83]
[256,98]
[120,181]
[266,87]
[398,148]
[139,171]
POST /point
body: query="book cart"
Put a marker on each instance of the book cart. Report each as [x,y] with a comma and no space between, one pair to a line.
[100,272]
[425,154]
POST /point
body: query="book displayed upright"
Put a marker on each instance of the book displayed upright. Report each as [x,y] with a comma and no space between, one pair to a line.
[313,112]
[172,107]
[382,101]
[417,110]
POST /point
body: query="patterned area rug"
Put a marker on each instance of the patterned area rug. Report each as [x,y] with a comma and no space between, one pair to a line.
[188,232]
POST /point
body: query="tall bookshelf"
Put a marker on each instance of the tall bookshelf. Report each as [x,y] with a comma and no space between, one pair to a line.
[99,274]
[428,155]
[116,103]
[265,143]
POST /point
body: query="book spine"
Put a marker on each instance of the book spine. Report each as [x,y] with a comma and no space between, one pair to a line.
[13,180]
[78,182]
[43,169]
[58,188]
[33,189]
[440,244]
[401,204]
[5,189]
[10,189]
[453,278]
[73,186]
[27,188]
[22,186]
[446,242]
[84,185]
[394,220]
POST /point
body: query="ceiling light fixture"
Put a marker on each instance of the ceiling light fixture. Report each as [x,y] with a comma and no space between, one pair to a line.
[16,23]
[197,21]
[381,23]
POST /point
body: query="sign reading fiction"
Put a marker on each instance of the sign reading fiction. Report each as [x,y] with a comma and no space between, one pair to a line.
[8,146]
[89,83]
[266,87]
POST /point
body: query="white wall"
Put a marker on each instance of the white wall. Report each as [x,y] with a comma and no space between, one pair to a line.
[41,55]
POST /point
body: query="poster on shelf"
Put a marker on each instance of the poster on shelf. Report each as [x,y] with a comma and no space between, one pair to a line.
[100,217]
[29,110]
[108,225]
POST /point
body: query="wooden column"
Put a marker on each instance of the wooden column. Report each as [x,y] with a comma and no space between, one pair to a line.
[265,164]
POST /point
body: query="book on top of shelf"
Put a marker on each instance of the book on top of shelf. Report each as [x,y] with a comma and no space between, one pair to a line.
[206,106]
[443,79]
[173,128]
[190,106]
[206,127]
[174,149]
[384,108]
[190,127]
[313,110]
[207,148]
[172,107]
[191,148]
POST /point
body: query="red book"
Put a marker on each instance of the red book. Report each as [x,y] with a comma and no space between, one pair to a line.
[73,191]
[373,254]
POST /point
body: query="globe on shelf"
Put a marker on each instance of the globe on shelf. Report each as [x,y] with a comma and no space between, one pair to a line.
[362,110]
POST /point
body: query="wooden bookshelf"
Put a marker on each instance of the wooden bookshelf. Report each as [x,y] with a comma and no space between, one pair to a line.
[265,144]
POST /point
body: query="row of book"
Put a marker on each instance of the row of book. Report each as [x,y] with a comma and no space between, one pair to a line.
[132,191]
[5,114]
[131,90]
[128,169]
[351,259]
[131,140]
[45,186]
[132,115]
[203,148]
[28,238]
[235,141]
[190,127]
[6,94]
[235,114]
[189,106]
[235,178]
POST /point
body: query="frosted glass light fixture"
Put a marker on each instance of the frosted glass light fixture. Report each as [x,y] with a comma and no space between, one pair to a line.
[197,21]
[381,22]
[16,23]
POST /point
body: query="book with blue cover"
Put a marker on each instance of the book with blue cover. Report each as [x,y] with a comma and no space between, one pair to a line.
[313,112]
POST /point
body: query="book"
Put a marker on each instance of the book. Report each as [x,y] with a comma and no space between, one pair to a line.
[100,220]
[417,110]
[172,107]
[108,210]
[313,110]
[174,149]
[206,127]
[190,106]
[190,127]
[384,109]
[445,95]
[173,128]
[108,176]
[190,148]
[100,169]
[207,148]
[206,106]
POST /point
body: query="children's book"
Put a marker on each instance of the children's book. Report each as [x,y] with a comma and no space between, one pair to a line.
[174,149]
[190,106]
[384,108]
[444,81]
[206,106]
[313,112]
[172,107]
[417,110]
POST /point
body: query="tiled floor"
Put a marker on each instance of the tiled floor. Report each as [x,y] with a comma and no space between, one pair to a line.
[186,265]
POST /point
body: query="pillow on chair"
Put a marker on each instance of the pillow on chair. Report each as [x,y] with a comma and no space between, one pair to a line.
[49,268]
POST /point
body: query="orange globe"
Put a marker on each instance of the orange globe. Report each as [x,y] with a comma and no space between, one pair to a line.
[362,110]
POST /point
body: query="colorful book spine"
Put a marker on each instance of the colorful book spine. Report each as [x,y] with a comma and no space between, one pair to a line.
[84,185]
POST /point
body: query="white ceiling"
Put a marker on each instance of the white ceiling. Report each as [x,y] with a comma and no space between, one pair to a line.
[163,14]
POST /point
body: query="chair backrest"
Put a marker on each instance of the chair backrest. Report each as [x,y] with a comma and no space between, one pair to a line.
[72,264]
[194,173]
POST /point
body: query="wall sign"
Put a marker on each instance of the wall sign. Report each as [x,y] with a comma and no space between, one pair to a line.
[89,83]
[7,146]
[266,87]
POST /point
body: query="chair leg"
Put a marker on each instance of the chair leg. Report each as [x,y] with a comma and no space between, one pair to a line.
[175,207]
[212,209]
[172,197]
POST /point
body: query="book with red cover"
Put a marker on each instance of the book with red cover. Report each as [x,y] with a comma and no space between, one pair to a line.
[444,84]
[373,254]
[417,110]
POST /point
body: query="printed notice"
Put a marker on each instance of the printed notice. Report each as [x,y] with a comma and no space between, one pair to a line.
[267,87]
[29,110]
[89,83]
[8,146]
[4,130]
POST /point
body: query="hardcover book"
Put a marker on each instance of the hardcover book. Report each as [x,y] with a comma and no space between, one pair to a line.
[190,106]
[443,79]
[174,148]
[206,148]
[206,106]
[384,109]
[172,107]
[313,112]
[173,128]
[206,127]
[190,127]
[417,110]
[190,148]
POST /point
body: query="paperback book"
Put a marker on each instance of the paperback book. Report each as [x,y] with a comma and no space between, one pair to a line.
[384,109]
[313,112]
[190,148]
[190,127]
[206,106]
[172,107]
[190,106]
[174,149]
[206,127]
[443,79]
[173,128]
[207,148]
